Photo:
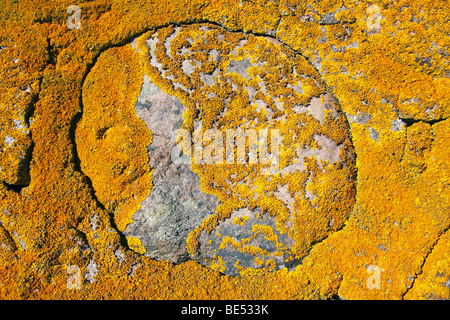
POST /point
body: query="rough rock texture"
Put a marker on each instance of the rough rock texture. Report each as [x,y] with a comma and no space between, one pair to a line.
[176,204]
[386,62]
[20,85]
[271,249]
[232,81]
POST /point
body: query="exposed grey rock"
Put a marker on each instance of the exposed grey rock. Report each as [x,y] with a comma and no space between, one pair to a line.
[327,19]
[397,125]
[240,67]
[359,118]
[9,140]
[91,271]
[209,243]
[176,204]
[374,135]
[119,255]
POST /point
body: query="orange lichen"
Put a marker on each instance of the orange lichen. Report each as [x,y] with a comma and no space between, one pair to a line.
[240,220]
[136,245]
[111,143]
[400,221]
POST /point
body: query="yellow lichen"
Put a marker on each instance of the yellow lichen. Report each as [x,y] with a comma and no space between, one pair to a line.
[279,65]
[136,245]
[240,220]
[398,71]
[111,143]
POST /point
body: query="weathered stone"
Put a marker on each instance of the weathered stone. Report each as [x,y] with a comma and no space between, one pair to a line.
[176,204]
[246,238]
[239,228]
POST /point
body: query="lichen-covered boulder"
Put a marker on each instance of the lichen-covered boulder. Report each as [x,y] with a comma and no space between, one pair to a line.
[81,166]
[226,209]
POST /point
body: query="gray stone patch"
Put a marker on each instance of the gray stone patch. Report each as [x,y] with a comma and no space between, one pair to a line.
[240,67]
[209,79]
[298,88]
[119,255]
[397,125]
[189,66]
[19,239]
[374,135]
[215,55]
[328,18]
[359,118]
[9,140]
[176,204]
[317,108]
[210,243]
[284,195]
[330,150]
[91,271]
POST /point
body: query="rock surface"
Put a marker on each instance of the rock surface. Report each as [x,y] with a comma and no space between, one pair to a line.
[314,146]
[176,204]
[388,66]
